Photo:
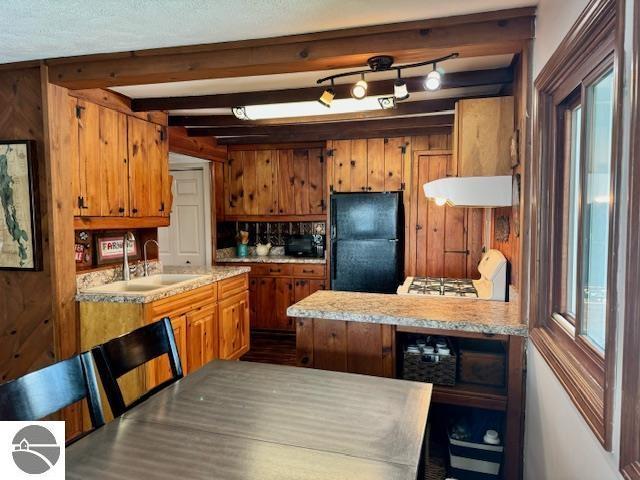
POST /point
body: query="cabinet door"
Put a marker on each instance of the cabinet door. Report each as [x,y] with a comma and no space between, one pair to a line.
[393,160]
[286,183]
[316,182]
[358,165]
[149,191]
[263,312]
[341,158]
[303,287]
[202,345]
[266,190]
[375,164]
[160,367]
[284,299]
[217,170]
[102,149]
[233,326]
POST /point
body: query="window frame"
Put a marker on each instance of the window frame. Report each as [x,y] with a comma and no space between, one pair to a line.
[592,46]
[630,420]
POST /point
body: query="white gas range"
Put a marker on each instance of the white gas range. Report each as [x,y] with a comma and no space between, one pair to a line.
[492,284]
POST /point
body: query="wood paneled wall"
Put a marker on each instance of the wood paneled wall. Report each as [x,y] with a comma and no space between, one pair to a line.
[26,307]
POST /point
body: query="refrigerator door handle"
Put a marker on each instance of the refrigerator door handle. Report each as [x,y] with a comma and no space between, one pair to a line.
[334,256]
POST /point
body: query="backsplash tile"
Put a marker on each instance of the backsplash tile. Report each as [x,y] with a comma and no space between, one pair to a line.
[275,233]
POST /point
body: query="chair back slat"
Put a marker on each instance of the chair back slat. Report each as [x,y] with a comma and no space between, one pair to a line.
[127,352]
[50,389]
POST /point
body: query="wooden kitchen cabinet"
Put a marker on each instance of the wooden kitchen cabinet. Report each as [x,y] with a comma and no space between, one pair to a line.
[367,165]
[102,189]
[202,338]
[233,326]
[160,368]
[283,300]
[483,130]
[121,166]
[149,186]
[274,287]
[283,182]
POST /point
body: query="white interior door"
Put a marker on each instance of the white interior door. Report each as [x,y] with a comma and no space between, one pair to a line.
[183,242]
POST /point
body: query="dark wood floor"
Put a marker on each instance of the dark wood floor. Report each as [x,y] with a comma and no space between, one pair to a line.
[270,347]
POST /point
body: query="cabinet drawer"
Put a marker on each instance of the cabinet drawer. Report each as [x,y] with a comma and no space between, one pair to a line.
[182,303]
[308,270]
[272,270]
[233,285]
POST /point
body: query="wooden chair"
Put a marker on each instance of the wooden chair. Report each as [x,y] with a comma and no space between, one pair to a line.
[45,391]
[127,352]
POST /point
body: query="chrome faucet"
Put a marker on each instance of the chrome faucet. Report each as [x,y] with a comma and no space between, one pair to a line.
[128,238]
[144,248]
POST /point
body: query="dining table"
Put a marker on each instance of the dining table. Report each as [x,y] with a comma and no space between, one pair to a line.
[241,420]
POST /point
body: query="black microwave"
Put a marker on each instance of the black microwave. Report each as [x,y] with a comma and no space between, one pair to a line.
[304,246]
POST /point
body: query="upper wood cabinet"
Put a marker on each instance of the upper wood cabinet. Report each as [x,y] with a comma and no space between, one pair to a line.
[103,187]
[121,163]
[367,165]
[149,186]
[275,182]
[483,130]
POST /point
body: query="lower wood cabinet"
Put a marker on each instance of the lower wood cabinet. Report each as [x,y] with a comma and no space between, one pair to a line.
[233,332]
[159,370]
[275,287]
[202,337]
[365,348]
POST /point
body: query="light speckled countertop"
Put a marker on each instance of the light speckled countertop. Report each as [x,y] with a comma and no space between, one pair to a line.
[461,314]
[272,259]
[208,275]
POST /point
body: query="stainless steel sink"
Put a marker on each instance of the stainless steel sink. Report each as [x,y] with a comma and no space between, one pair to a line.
[144,284]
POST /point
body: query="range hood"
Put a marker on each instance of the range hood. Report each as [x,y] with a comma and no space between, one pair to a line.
[471,191]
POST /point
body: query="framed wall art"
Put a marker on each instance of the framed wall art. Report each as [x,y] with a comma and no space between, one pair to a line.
[19,212]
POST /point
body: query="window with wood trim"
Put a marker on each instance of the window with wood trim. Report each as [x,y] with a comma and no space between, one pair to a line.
[575,175]
[630,420]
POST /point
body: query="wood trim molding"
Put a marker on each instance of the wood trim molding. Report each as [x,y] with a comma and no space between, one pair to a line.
[630,419]
[203,147]
[587,378]
[488,33]
[119,103]
[115,223]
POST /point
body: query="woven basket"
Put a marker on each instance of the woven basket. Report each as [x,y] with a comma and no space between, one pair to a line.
[441,372]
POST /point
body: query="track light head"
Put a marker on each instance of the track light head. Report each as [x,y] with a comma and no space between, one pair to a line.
[433,80]
[400,91]
[359,89]
[327,96]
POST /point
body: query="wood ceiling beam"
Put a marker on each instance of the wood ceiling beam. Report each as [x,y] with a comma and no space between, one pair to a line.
[342,135]
[200,147]
[405,108]
[326,129]
[489,33]
[498,76]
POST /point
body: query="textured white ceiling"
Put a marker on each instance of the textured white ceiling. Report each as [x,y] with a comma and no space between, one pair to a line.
[36,29]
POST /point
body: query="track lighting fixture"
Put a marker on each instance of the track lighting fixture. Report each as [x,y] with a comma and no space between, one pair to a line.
[400,91]
[359,89]
[327,96]
[433,80]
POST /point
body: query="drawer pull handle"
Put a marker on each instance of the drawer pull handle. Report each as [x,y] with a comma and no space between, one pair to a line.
[274,270]
[307,271]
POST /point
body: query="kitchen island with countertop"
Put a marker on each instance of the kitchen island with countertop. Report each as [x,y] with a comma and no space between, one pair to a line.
[446,313]
[366,333]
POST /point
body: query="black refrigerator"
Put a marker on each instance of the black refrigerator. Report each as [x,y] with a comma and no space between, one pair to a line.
[367,242]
